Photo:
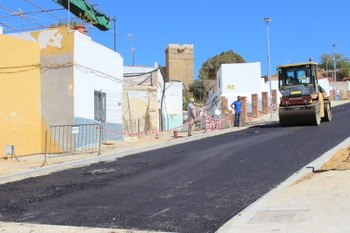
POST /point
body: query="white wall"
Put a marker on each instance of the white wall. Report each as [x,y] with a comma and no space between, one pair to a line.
[265,87]
[137,70]
[325,84]
[160,87]
[97,68]
[241,79]
[173,98]
[172,108]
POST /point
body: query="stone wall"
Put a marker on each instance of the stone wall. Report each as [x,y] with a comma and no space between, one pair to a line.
[180,63]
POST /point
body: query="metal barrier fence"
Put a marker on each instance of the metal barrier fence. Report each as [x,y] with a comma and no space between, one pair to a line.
[72,139]
[250,108]
[261,105]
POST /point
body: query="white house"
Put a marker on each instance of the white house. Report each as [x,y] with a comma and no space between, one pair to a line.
[240,79]
[81,80]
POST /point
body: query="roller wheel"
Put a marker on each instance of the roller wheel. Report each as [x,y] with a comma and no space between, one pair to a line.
[317,116]
[302,116]
[327,112]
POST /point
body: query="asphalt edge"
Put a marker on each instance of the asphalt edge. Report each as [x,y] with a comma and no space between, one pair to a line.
[248,213]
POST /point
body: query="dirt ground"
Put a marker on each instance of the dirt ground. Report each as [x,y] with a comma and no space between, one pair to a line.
[339,161]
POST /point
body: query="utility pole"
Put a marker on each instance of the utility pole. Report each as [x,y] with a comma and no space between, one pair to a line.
[115,34]
[267,20]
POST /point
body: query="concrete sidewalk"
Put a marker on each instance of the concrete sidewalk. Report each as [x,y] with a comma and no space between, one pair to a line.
[306,202]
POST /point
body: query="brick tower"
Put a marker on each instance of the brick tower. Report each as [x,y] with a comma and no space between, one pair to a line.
[180,63]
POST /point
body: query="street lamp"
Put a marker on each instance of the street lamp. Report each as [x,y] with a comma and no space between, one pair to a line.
[335,73]
[267,20]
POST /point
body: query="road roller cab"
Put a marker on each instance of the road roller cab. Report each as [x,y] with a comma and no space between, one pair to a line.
[302,101]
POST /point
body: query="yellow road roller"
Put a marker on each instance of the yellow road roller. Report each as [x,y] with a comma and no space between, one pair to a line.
[303,102]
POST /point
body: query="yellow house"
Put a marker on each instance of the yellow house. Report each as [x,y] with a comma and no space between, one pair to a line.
[20,88]
[50,78]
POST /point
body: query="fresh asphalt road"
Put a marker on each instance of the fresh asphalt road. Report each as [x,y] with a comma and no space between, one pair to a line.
[192,187]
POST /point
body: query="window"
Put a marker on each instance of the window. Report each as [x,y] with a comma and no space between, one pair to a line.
[294,75]
[99,105]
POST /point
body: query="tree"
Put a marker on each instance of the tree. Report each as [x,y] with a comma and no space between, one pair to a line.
[198,89]
[342,64]
[344,72]
[212,65]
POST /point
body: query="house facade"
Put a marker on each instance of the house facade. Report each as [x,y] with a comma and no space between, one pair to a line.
[150,103]
[20,96]
[80,81]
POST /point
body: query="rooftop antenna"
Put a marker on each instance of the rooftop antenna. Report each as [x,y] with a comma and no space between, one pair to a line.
[20,12]
[132,50]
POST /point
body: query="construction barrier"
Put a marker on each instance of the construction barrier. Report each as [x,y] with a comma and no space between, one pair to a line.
[72,139]
[211,124]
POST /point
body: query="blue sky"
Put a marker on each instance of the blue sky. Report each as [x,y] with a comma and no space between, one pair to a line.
[299,28]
